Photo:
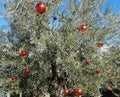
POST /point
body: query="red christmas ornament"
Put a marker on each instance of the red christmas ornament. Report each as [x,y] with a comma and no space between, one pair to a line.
[78,92]
[23,53]
[100,44]
[40,7]
[27,70]
[109,89]
[66,91]
[97,71]
[55,18]
[15,21]
[14,79]
[83,28]
[87,62]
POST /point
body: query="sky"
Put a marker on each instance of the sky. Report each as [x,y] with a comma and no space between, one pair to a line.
[115,3]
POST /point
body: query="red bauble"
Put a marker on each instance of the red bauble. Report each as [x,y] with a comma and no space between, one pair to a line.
[27,70]
[40,7]
[55,18]
[66,91]
[97,71]
[23,53]
[109,89]
[15,21]
[87,62]
[83,28]
[100,44]
[78,92]
[14,79]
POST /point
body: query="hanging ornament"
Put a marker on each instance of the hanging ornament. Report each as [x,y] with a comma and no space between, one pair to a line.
[23,53]
[27,70]
[109,89]
[100,44]
[40,7]
[83,28]
[87,62]
[54,18]
[14,21]
[78,92]
[97,71]
[14,79]
[66,91]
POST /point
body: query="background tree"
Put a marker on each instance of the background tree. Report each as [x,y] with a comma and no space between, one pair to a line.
[57,47]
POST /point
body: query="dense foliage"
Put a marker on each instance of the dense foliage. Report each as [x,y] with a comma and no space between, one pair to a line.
[63,47]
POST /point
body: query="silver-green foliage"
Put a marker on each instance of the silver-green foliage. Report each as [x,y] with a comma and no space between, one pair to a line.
[45,40]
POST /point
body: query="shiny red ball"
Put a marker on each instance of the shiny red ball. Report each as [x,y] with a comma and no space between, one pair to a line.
[23,53]
[100,44]
[14,21]
[97,71]
[83,28]
[87,62]
[66,91]
[78,92]
[110,89]
[27,70]
[40,7]
[14,79]
[55,18]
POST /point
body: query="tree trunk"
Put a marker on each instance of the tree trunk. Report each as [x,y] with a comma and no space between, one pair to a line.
[28,95]
[55,87]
